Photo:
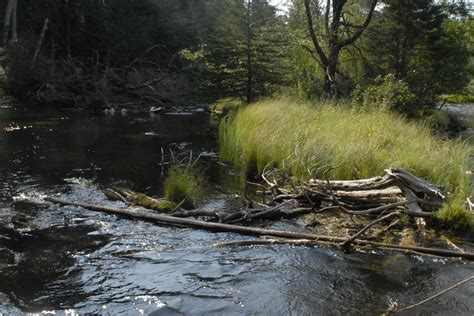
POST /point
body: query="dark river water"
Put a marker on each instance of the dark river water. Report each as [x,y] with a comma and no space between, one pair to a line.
[70,261]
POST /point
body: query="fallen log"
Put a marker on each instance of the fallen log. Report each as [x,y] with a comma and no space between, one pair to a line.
[160,218]
[139,199]
[379,194]
[375,183]
[370,196]
[132,198]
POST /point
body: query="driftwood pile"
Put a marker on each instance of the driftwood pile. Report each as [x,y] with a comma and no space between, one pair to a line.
[398,189]
[384,197]
[283,237]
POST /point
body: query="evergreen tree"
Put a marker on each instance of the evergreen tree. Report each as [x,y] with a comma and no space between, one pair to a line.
[419,41]
[244,54]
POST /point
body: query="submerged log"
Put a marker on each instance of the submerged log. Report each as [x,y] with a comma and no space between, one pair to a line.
[315,239]
[139,199]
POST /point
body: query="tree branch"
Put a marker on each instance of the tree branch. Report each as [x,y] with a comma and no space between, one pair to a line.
[361,29]
[314,39]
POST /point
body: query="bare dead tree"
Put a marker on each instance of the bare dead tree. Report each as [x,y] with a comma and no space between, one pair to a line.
[332,33]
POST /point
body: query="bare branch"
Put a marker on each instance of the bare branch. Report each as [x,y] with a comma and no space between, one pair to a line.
[314,39]
[361,29]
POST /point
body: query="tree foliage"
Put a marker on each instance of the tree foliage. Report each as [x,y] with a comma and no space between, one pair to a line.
[244,54]
[422,43]
[113,52]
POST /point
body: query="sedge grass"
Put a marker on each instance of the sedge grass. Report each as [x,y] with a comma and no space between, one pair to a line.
[307,140]
[183,184]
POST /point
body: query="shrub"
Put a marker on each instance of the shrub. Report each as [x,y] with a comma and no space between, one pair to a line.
[19,72]
[387,93]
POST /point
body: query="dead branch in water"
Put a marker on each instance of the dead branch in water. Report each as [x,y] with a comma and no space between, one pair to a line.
[394,308]
[166,219]
[346,244]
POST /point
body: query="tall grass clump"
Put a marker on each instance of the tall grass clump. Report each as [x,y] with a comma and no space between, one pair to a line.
[226,105]
[183,184]
[307,140]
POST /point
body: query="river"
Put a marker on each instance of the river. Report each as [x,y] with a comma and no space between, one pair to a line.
[70,261]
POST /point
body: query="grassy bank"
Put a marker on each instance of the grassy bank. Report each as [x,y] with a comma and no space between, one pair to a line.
[346,144]
[225,106]
[458,98]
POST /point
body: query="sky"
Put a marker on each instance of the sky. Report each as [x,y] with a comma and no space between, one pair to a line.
[281,4]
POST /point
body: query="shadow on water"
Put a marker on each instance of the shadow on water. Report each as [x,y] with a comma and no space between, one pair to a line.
[32,262]
[65,258]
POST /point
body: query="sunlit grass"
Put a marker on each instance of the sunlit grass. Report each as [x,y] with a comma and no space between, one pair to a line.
[340,142]
[458,98]
[226,105]
[183,184]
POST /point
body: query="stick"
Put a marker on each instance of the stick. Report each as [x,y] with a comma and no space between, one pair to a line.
[347,243]
[389,206]
[253,231]
[436,295]
[40,42]
[178,206]
[449,242]
[253,242]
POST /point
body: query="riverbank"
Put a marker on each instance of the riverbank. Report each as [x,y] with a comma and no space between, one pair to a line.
[458,98]
[339,142]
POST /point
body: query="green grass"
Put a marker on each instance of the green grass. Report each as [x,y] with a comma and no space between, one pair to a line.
[341,142]
[183,183]
[458,98]
[226,105]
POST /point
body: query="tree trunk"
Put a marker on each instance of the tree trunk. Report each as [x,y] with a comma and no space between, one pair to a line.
[14,22]
[40,42]
[334,34]
[70,10]
[7,21]
[249,55]
[330,83]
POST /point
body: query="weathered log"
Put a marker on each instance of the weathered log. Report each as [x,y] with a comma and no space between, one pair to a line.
[373,195]
[375,183]
[416,184]
[160,218]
